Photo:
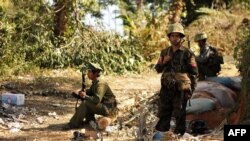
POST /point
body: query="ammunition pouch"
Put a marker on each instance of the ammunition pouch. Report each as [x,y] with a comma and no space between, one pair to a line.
[168,80]
[183,81]
[184,84]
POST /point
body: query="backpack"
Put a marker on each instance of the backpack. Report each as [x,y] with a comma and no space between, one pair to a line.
[215,60]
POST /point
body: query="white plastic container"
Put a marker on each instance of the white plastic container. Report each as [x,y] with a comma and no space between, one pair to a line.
[13,99]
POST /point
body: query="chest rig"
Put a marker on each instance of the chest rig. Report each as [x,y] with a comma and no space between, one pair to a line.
[175,73]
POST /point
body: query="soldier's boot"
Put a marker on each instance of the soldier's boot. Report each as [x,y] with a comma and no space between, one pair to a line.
[162,125]
[179,132]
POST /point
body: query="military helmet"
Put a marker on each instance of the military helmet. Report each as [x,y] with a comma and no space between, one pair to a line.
[176,27]
[200,36]
[94,66]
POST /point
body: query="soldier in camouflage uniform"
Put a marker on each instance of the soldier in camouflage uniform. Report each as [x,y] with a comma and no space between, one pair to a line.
[176,63]
[209,60]
[98,99]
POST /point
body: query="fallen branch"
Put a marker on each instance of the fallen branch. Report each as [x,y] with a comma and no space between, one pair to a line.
[12,117]
[147,102]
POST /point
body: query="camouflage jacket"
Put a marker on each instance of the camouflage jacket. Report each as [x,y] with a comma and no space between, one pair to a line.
[182,61]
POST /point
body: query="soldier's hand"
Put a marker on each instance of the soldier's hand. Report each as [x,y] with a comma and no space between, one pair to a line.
[166,59]
[77,91]
[82,94]
[160,60]
[188,94]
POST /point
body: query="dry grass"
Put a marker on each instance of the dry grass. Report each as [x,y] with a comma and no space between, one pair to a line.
[221,27]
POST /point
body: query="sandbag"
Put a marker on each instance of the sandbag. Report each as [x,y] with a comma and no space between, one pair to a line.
[200,105]
[233,83]
[225,96]
[213,118]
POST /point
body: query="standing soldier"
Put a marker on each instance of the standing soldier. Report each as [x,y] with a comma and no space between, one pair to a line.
[209,60]
[98,99]
[176,63]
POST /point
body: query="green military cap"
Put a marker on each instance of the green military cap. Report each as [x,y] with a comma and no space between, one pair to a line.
[94,66]
[200,36]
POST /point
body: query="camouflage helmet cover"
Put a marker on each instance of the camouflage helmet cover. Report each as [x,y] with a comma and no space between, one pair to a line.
[177,28]
[200,36]
[94,66]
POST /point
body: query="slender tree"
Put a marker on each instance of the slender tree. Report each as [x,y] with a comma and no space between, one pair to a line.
[62,10]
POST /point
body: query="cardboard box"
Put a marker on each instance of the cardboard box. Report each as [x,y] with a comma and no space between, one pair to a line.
[13,99]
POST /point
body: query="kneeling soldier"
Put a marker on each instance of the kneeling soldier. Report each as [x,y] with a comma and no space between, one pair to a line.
[98,99]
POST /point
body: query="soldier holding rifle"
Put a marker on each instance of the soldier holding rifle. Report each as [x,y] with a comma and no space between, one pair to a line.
[176,63]
[98,99]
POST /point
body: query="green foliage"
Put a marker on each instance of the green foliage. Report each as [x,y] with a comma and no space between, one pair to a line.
[115,54]
[21,30]
[242,50]
[147,25]
[27,42]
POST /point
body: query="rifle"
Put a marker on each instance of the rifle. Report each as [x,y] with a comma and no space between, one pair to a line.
[192,78]
[75,95]
[188,40]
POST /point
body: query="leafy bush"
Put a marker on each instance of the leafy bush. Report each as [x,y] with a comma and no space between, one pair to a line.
[28,41]
[242,50]
[114,53]
[40,48]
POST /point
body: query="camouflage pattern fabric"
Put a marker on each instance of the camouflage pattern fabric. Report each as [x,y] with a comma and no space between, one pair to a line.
[175,88]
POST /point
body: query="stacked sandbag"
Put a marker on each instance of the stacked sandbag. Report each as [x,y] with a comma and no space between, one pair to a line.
[200,105]
[233,83]
[211,102]
[225,96]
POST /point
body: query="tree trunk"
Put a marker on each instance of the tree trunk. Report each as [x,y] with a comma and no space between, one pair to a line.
[61,11]
[246,83]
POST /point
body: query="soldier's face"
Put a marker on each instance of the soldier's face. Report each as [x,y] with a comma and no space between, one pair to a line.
[201,43]
[90,74]
[175,38]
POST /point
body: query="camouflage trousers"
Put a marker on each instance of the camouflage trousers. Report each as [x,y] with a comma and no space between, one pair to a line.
[172,103]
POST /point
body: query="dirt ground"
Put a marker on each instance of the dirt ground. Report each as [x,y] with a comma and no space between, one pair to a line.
[40,105]
[124,87]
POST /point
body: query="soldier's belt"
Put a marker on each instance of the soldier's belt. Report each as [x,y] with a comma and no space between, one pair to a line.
[111,100]
[177,76]
[180,80]
[177,69]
